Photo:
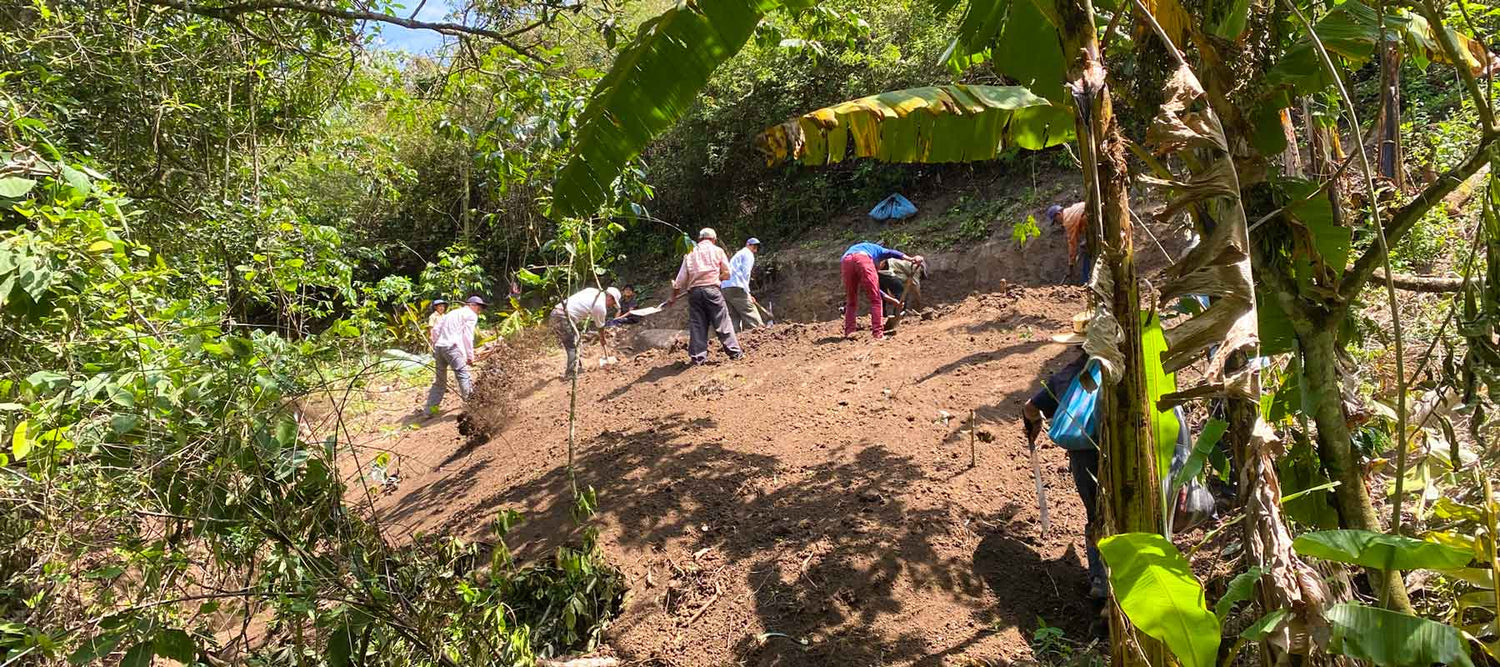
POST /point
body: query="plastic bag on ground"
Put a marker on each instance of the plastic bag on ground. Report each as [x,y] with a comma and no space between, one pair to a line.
[894,207]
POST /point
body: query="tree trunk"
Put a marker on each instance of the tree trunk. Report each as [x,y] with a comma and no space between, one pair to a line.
[1291,158]
[1129,489]
[1389,134]
[1319,347]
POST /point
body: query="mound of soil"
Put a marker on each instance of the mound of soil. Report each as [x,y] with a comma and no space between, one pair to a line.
[812,504]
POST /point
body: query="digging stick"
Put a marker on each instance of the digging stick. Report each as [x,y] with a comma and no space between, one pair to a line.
[1041,491]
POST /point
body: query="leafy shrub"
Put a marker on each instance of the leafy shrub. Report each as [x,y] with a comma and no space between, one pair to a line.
[456,275]
[163,493]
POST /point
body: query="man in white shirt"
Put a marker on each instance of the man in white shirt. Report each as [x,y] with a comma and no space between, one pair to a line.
[701,272]
[569,318]
[453,346]
[742,312]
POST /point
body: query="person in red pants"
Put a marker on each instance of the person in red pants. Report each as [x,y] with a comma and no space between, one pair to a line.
[858,267]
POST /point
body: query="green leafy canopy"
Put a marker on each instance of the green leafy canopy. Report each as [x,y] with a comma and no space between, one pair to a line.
[651,85]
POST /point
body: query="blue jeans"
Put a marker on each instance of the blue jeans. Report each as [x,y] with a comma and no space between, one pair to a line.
[1085,268]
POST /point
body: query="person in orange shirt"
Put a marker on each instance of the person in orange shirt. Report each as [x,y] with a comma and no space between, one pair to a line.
[700,274]
[1072,218]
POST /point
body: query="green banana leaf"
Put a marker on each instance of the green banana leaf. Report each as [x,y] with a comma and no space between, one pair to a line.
[956,123]
[652,83]
[1380,551]
[1208,440]
[1392,639]
[1019,41]
[1029,52]
[1156,588]
[1159,382]
[982,22]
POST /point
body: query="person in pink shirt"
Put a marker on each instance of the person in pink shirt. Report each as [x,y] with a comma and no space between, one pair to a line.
[700,274]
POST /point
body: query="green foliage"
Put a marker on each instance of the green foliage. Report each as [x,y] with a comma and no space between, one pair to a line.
[456,275]
[1431,240]
[711,152]
[155,458]
[1164,423]
[1018,40]
[1393,639]
[651,84]
[1156,588]
[1206,445]
[1379,550]
[1023,232]
[1240,588]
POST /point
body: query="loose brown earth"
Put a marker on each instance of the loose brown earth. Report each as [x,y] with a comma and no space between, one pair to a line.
[812,504]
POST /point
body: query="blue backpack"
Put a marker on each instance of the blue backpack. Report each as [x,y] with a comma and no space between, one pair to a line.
[1076,422]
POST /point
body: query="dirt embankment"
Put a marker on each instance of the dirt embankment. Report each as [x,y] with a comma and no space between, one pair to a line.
[812,504]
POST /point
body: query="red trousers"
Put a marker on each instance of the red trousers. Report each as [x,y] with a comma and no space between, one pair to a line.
[859,273]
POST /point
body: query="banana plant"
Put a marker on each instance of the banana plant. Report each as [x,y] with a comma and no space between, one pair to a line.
[955,123]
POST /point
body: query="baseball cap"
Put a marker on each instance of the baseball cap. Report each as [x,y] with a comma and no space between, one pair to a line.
[753,241]
[707,233]
[1053,210]
[439,302]
[476,300]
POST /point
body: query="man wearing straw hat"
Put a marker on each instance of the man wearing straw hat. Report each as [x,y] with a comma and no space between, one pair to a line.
[1083,463]
[1193,502]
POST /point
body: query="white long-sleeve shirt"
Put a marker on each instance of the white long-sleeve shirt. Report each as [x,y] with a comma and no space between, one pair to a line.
[456,330]
[740,267]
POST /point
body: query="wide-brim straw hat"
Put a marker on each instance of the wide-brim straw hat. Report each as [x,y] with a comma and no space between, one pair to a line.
[1080,331]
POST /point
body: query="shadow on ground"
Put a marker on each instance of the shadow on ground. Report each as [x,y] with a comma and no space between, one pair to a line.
[829,544]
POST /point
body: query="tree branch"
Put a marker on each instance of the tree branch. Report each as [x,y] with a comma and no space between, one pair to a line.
[1423,284]
[230,12]
[1403,220]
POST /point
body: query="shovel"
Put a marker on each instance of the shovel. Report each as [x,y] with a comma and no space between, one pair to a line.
[642,312]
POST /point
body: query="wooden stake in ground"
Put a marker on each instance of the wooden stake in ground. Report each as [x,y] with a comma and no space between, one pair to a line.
[973,452]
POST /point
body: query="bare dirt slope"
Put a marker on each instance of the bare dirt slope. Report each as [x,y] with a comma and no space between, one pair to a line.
[812,504]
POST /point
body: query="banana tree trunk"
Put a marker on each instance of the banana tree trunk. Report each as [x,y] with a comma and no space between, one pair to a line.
[1129,489]
[1317,339]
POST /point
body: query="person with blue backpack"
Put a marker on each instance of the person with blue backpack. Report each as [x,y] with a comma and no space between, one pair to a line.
[1083,454]
[1071,405]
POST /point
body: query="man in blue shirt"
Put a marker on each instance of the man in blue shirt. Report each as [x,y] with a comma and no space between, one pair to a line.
[858,268]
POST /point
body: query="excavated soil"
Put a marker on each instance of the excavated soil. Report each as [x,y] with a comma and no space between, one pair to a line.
[811,504]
